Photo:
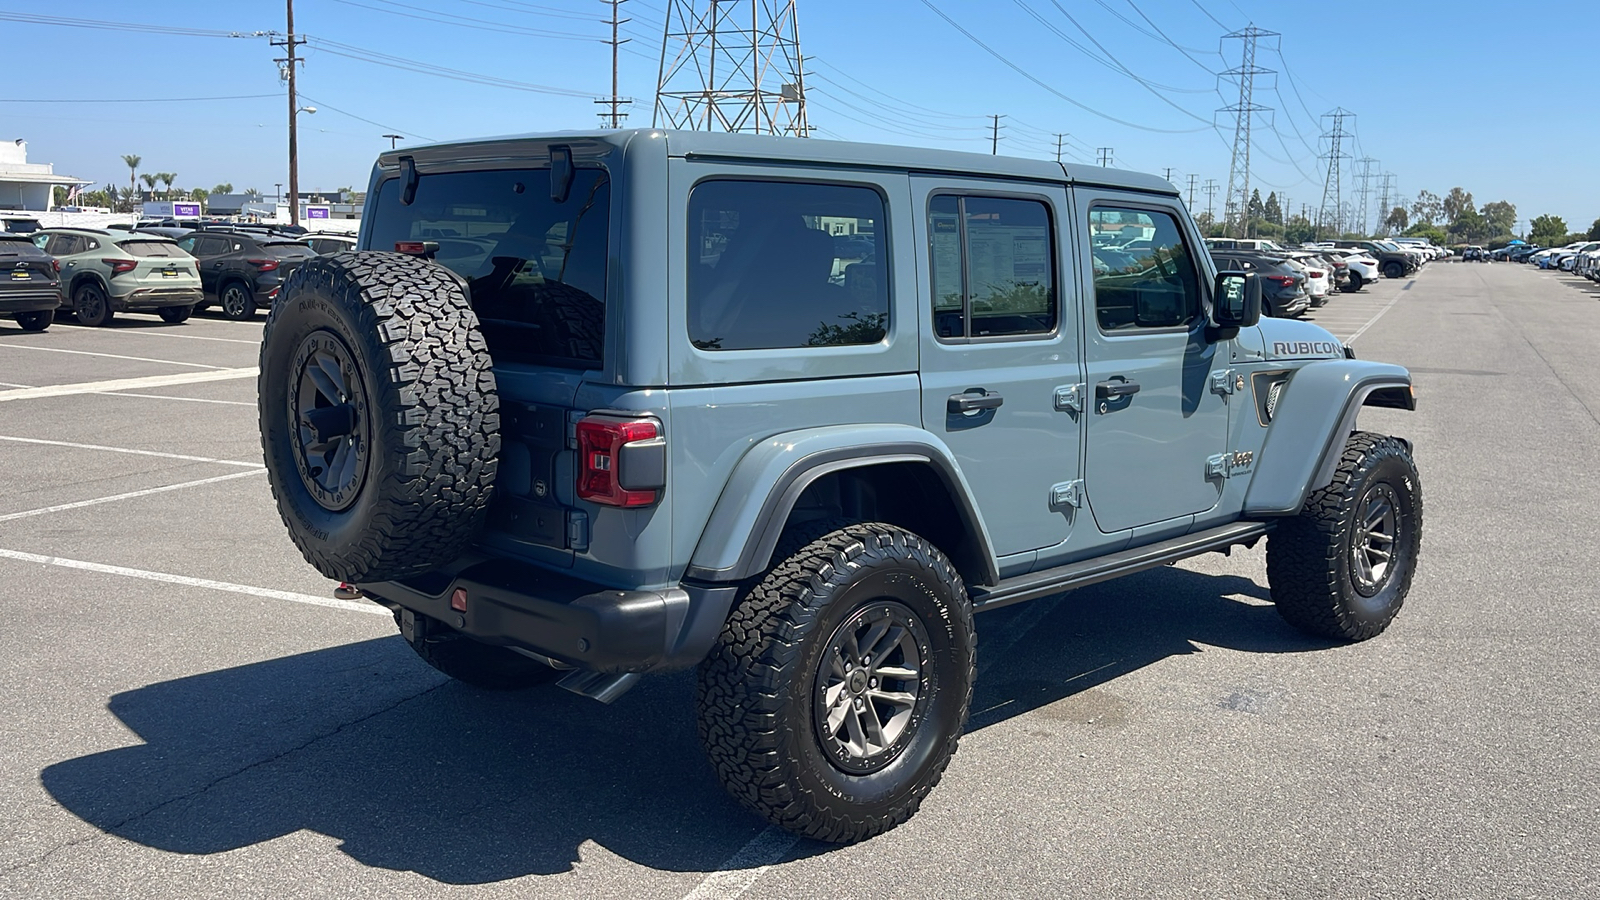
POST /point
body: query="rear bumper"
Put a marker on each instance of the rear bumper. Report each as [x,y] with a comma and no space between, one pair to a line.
[156,298]
[581,624]
[30,300]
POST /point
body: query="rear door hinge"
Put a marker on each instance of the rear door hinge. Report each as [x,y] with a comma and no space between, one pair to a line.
[1069,398]
[1217,466]
[1067,494]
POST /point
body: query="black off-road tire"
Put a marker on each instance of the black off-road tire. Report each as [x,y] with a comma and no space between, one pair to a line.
[1312,559]
[757,691]
[175,315]
[480,665]
[425,407]
[37,320]
[91,306]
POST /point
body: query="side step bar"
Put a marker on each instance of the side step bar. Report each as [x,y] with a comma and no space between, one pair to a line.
[1104,568]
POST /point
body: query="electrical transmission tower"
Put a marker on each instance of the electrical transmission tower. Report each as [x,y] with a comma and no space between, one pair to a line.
[615,115]
[1332,211]
[732,65]
[1365,175]
[1386,202]
[1237,201]
[1211,198]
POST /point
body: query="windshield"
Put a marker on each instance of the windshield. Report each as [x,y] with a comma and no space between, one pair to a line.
[536,268]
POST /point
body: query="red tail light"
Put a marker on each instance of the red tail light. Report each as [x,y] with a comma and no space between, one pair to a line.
[265,265]
[621,462]
[56,264]
[1284,280]
[1316,273]
[118,266]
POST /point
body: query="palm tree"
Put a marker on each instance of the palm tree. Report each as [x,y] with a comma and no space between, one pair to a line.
[167,178]
[223,188]
[133,170]
[150,182]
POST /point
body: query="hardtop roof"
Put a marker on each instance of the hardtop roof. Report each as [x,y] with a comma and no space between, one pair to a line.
[812,151]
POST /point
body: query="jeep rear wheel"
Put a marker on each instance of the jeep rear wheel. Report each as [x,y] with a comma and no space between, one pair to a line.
[838,689]
[1342,568]
[379,416]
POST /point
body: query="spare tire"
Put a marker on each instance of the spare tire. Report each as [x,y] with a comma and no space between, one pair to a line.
[380,421]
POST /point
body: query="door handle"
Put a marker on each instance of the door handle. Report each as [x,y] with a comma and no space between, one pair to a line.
[972,401]
[1110,390]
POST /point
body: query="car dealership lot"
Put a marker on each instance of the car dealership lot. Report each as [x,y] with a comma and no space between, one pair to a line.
[188,712]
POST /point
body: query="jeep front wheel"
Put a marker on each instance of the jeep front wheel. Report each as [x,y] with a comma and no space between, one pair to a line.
[838,689]
[1342,568]
[380,421]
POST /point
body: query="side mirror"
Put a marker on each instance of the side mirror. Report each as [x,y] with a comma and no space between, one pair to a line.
[1236,300]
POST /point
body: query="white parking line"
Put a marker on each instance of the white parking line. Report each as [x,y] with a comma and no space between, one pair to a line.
[1374,320]
[118,384]
[204,459]
[292,597]
[736,875]
[168,397]
[107,355]
[187,337]
[79,504]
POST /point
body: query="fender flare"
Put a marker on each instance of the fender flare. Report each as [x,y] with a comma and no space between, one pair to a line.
[749,516]
[79,279]
[1314,419]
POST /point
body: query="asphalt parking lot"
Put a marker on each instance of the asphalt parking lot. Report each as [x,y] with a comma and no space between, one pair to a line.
[188,712]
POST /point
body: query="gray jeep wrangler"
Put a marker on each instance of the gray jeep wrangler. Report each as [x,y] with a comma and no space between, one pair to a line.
[590,406]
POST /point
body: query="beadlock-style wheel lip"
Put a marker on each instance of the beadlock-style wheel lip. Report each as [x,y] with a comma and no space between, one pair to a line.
[329,414]
[852,687]
[1376,540]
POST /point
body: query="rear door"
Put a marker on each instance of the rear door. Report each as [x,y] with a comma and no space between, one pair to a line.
[999,355]
[1157,419]
[161,264]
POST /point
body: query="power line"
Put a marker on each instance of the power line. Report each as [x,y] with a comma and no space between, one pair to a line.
[138,99]
[394,9]
[321,105]
[64,22]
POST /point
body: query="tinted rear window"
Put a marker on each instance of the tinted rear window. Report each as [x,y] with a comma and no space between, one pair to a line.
[289,249]
[152,248]
[536,268]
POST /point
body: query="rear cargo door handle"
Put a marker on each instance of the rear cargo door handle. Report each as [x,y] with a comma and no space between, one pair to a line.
[1110,390]
[973,401]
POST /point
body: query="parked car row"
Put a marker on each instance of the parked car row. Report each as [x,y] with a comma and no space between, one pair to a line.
[1562,258]
[92,274]
[1304,277]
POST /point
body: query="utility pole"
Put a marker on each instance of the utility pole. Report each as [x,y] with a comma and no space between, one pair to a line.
[1169,173]
[1060,138]
[1211,198]
[731,65]
[1332,210]
[1237,202]
[1192,179]
[1365,176]
[1104,153]
[616,115]
[290,63]
[994,136]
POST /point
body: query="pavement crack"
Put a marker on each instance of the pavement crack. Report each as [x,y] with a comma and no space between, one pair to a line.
[112,829]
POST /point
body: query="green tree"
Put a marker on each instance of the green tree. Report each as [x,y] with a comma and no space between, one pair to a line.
[1501,216]
[1298,229]
[223,188]
[1430,233]
[1274,210]
[1428,209]
[1456,203]
[1397,219]
[1469,227]
[133,161]
[150,183]
[1256,209]
[1594,231]
[1548,231]
[167,178]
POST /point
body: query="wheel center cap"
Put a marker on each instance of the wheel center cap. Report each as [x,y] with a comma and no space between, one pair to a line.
[858,681]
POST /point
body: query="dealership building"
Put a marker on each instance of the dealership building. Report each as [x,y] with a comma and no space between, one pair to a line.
[25,185]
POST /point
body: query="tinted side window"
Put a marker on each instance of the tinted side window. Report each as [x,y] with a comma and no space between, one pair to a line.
[188,245]
[992,264]
[1153,287]
[780,264]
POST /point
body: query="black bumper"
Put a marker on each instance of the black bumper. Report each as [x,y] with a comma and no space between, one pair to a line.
[31,300]
[585,625]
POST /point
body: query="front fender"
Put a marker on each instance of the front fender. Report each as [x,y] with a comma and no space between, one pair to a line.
[754,506]
[1312,421]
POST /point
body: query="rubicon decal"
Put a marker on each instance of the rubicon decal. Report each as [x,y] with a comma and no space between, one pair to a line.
[1306,348]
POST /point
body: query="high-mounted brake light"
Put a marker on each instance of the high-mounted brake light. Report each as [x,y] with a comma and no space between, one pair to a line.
[621,461]
[265,265]
[417,248]
[118,266]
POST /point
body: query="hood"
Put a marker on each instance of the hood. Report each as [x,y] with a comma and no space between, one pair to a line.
[1291,339]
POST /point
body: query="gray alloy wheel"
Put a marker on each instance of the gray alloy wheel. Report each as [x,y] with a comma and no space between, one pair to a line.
[331,413]
[237,304]
[91,305]
[868,686]
[1372,547]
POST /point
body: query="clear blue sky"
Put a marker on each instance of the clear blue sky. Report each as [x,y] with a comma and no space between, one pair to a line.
[1441,90]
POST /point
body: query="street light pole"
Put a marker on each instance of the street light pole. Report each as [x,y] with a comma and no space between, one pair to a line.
[394,139]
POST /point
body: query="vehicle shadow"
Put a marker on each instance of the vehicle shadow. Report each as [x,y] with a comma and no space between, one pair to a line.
[364,743]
